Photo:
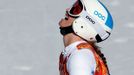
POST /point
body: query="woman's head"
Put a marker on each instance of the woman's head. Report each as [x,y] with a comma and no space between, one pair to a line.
[90,20]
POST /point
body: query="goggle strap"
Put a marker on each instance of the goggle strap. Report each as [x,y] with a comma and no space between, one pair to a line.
[72,15]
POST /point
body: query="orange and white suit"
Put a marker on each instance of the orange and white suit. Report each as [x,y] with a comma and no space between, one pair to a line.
[80,58]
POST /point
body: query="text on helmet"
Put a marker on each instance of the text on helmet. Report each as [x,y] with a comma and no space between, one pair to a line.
[99,15]
[91,20]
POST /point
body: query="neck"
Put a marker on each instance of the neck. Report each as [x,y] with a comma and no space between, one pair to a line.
[71,38]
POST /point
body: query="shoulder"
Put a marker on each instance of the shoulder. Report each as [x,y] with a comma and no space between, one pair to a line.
[82,55]
[82,59]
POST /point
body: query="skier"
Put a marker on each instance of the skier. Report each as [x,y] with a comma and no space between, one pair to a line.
[86,23]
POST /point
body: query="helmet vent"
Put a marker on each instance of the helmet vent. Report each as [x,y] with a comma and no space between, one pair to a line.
[81,26]
[91,38]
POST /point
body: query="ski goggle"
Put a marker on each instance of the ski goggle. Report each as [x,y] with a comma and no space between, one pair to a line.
[76,9]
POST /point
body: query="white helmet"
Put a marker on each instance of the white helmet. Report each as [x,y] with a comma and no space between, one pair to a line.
[93,21]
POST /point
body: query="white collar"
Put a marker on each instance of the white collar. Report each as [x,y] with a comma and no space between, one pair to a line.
[71,47]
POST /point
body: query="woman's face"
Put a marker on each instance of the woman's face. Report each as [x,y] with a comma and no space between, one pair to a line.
[75,10]
[66,22]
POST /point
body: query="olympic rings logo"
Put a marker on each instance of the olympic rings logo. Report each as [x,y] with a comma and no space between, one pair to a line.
[99,15]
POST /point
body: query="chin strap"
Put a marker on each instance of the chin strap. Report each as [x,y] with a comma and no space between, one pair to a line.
[66,30]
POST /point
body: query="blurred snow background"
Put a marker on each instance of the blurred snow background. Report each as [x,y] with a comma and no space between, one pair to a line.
[30,42]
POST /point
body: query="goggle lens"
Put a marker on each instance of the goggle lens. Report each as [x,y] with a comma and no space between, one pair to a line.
[76,8]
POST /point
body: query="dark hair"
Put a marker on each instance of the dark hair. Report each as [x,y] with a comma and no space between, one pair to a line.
[98,51]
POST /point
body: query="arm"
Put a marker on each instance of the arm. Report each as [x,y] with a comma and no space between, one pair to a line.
[81,62]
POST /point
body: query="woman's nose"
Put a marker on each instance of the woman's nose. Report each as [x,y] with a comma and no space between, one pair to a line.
[67,9]
[66,14]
